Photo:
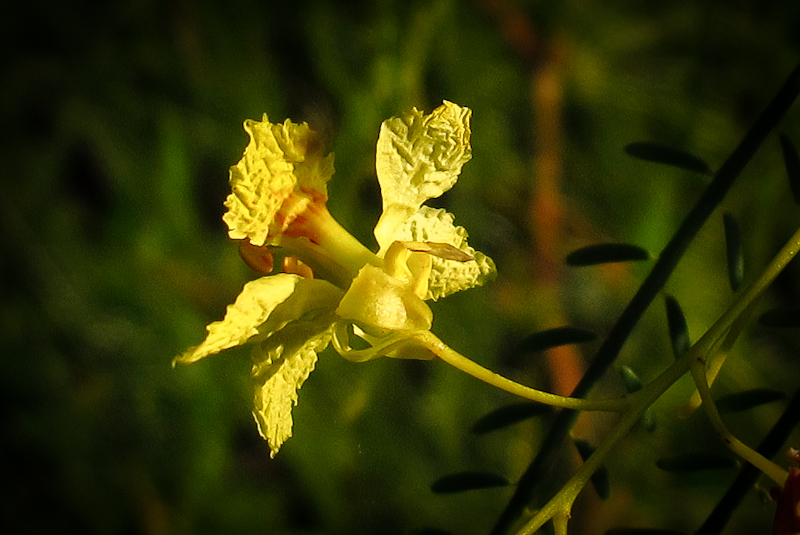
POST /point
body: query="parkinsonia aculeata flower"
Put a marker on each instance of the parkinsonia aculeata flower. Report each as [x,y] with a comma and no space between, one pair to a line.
[331,286]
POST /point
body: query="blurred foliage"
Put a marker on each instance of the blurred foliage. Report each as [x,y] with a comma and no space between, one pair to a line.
[120,122]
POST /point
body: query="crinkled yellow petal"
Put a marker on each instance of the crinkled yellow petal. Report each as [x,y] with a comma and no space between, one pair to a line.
[419,157]
[242,320]
[283,170]
[448,275]
[282,364]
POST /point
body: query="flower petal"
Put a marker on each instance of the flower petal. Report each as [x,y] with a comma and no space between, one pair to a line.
[447,275]
[313,301]
[419,157]
[283,170]
[244,317]
[379,303]
[264,306]
[282,364]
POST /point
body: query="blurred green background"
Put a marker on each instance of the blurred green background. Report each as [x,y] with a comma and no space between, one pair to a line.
[120,120]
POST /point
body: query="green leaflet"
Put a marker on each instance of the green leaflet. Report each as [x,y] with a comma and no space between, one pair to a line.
[282,171]
[447,276]
[282,363]
[466,481]
[244,317]
[418,158]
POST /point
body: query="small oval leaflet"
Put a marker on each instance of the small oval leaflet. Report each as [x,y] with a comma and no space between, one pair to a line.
[742,401]
[630,379]
[678,329]
[653,152]
[606,253]
[599,479]
[693,462]
[509,415]
[642,531]
[791,160]
[733,248]
[648,420]
[465,481]
[780,317]
[558,336]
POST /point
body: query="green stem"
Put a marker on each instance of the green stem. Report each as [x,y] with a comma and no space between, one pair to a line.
[560,521]
[717,359]
[773,471]
[428,340]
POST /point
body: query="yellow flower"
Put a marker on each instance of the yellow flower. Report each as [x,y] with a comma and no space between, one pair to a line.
[331,284]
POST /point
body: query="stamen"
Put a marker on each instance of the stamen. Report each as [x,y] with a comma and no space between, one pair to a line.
[295,266]
[442,250]
[258,258]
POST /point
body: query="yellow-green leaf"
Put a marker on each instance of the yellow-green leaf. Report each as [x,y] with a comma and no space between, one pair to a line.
[283,170]
[282,363]
[243,318]
[419,157]
[447,275]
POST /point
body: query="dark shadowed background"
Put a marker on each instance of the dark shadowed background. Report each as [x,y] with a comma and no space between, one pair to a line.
[119,123]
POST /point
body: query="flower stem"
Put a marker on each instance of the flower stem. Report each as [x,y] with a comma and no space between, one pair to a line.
[428,340]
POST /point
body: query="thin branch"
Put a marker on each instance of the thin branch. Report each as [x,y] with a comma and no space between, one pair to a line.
[773,471]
